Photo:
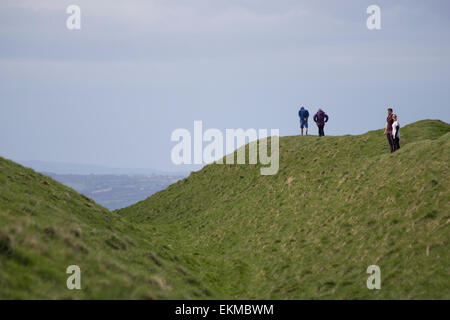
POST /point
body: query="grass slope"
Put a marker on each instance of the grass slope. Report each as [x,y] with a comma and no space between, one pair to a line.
[336,206]
[45,227]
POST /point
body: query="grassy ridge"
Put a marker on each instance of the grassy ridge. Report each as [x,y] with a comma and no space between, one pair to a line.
[336,206]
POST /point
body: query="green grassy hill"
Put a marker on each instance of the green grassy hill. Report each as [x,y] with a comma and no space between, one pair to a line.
[45,227]
[336,206]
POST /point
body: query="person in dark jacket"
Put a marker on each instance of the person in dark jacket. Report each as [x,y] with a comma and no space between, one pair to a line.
[321,118]
[303,115]
[388,129]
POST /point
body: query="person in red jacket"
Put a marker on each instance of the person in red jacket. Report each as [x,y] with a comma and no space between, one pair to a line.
[320,118]
[388,129]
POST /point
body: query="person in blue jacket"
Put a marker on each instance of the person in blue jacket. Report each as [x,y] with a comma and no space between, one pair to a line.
[304,115]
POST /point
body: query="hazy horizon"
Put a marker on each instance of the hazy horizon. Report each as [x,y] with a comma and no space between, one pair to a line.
[59,167]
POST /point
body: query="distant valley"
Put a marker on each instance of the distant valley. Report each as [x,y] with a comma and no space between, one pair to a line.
[113,188]
[115,191]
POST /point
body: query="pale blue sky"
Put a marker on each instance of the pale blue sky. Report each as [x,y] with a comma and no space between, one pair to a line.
[112,92]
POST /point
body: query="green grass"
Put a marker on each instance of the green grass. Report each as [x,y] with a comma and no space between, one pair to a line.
[336,206]
[45,227]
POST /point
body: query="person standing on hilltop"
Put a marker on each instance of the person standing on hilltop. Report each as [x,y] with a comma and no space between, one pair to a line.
[388,130]
[321,118]
[396,132]
[304,115]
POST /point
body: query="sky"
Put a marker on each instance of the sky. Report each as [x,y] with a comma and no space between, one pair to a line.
[112,92]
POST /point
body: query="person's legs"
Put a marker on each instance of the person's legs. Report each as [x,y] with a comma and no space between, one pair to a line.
[397,143]
[391,141]
[306,127]
[301,126]
[321,134]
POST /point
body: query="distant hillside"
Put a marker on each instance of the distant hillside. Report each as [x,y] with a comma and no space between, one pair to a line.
[116,191]
[336,206]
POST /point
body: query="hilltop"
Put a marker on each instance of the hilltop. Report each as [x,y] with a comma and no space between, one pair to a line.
[336,206]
